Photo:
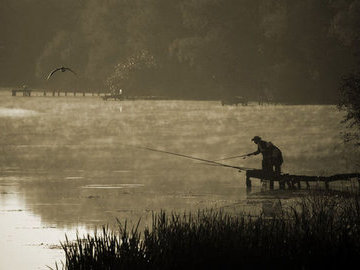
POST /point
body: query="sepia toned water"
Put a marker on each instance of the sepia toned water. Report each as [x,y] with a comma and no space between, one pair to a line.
[68,164]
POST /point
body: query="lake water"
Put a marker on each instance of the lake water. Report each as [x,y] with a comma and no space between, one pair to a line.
[68,164]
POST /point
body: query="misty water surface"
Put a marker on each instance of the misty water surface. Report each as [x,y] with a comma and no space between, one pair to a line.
[69,162]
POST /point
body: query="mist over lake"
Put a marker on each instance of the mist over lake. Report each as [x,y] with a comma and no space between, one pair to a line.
[69,163]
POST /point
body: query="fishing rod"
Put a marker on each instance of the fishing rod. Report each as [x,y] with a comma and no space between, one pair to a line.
[243,156]
[195,158]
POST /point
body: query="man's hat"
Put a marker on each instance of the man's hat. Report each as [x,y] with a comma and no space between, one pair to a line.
[256,139]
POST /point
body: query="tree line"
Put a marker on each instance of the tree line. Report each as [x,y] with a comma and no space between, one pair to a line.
[293,51]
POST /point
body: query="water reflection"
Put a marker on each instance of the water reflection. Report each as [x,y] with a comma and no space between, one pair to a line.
[92,199]
[37,208]
[26,241]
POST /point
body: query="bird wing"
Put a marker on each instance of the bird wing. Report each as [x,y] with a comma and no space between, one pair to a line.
[69,69]
[52,72]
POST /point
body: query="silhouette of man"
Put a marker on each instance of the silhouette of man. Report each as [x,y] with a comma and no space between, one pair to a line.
[272,156]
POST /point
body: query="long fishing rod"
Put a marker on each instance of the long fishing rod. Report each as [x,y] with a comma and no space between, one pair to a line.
[243,156]
[195,158]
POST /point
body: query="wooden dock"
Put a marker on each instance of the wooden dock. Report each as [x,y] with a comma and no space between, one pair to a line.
[100,93]
[25,92]
[74,93]
[56,93]
[291,180]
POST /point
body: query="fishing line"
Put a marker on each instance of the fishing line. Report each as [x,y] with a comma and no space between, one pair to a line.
[192,157]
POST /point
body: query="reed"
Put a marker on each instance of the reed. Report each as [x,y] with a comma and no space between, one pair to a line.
[320,230]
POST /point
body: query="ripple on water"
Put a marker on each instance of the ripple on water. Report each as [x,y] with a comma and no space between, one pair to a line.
[13,179]
[113,186]
[74,177]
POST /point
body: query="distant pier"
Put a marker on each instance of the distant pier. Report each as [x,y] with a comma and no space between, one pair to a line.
[105,95]
[58,93]
[25,92]
[55,93]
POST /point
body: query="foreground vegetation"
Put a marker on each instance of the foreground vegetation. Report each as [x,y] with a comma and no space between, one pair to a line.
[321,230]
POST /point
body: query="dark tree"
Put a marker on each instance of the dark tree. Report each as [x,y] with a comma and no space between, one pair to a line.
[350,103]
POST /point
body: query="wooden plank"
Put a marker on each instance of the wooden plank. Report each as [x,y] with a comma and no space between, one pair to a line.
[260,174]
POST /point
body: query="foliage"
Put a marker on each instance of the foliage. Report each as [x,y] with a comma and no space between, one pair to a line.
[350,103]
[346,22]
[319,231]
[125,74]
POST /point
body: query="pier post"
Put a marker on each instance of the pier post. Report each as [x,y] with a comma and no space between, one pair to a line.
[44,94]
[74,93]
[13,93]
[53,93]
[248,181]
[65,93]
[58,93]
[282,181]
[271,176]
[84,94]
[291,183]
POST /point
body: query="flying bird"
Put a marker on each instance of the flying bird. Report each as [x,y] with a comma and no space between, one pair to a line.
[62,69]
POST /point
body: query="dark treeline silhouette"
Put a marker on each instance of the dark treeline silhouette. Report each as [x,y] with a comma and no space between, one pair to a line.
[290,51]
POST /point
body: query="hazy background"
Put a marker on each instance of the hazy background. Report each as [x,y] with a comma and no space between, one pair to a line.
[291,51]
[66,161]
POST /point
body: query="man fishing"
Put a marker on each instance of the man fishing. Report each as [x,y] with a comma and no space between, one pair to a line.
[272,156]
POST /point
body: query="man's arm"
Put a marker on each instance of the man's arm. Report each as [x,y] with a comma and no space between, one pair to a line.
[254,153]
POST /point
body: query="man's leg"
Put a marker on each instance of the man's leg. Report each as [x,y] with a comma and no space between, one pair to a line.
[266,168]
[277,169]
[263,168]
[268,171]
[277,173]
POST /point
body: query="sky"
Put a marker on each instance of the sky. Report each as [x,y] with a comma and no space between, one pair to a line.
[284,50]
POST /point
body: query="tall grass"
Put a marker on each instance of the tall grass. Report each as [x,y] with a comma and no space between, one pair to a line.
[321,230]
